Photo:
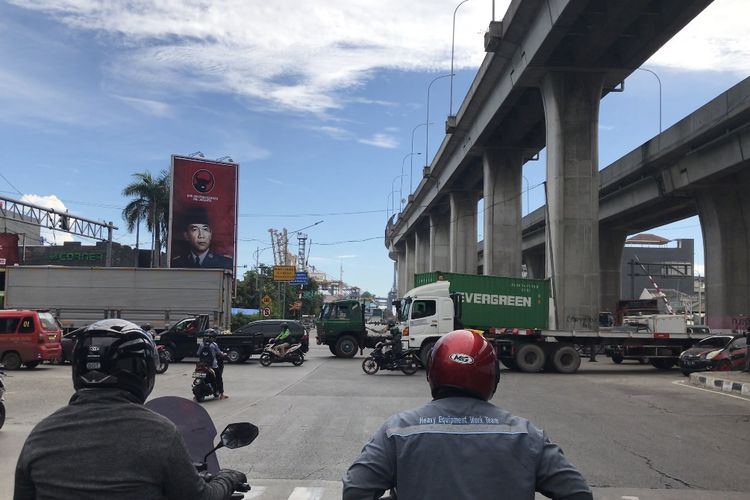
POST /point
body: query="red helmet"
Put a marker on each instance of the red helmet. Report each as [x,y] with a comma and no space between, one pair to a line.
[464,361]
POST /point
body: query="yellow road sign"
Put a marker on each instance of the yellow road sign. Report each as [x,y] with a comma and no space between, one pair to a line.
[283,273]
[266,300]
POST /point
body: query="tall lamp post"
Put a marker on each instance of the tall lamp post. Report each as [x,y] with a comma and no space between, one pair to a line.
[411,163]
[408,155]
[528,205]
[658,80]
[427,128]
[453,46]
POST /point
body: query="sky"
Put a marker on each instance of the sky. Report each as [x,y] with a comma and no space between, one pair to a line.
[317,101]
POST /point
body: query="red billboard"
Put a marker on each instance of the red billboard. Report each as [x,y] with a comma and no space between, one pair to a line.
[203,213]
[8,249]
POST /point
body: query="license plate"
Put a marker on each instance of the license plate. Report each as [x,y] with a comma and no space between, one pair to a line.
[51,337]
[199,375]
[689,363]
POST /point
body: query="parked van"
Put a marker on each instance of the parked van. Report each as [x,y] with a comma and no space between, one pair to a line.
[28,338]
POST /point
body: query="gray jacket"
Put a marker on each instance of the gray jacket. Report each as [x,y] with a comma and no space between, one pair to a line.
[461,448]
[105,445]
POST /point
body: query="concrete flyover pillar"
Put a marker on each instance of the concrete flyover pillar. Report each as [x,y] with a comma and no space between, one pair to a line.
[400,253]
[724,213]
[611,244]
[463,232]
[440,223]
[422,249]
[410,260]
[571,113]
[502,212]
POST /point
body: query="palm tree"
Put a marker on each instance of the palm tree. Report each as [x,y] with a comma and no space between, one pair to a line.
[150,203]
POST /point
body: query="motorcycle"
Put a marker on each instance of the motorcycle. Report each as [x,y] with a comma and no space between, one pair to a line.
[2,398]
[198,432]
[204,382]
[407,360]
[293,355]
[163,359]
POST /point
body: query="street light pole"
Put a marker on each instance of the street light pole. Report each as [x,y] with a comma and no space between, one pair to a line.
[658,80]
[411,163]
[427,128]
[453,46]
[528,206]
[401,186]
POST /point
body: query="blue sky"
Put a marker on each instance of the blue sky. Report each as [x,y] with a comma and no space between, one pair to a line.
[316,100]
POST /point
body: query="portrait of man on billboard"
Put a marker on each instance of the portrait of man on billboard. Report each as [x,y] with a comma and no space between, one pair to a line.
[195,228]
[203,213]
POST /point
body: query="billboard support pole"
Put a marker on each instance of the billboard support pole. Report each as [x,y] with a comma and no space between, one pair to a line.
[108,262]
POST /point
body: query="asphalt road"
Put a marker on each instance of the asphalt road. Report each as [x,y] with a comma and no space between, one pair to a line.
[633,431]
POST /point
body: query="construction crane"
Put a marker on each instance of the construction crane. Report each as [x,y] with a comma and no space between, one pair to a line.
[656,286]
[279,244]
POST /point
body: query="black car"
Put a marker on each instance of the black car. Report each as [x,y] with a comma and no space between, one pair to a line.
[251,338]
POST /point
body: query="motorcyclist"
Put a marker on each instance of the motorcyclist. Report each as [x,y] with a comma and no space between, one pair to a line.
[105,443]
[281,342]
[460,445]
[392,349]
[215,361]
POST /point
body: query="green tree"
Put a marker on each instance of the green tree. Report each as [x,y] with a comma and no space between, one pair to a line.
[255,284]
[150,203]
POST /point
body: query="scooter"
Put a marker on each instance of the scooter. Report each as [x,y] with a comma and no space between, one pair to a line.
[198,432]
[293,355]
[2,398]
[407,361]
[204,382]
[163,359]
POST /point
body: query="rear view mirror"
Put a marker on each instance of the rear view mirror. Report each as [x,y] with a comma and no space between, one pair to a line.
[239,435]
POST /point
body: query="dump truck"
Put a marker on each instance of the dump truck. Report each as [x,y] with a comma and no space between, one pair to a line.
[79,296]
[513,314]
[342,327]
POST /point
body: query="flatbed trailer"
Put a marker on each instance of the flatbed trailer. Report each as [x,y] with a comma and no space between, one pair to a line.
[558,350]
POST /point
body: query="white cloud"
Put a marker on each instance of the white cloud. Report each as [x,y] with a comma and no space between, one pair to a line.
[699,270]
[718,39]
[274,181]
[381,141]
[156,108]
[53,202]
[312,56]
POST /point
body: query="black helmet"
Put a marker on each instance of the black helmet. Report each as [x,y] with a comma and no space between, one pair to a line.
[115,353]
[209,335]
[146,327]
[285,325]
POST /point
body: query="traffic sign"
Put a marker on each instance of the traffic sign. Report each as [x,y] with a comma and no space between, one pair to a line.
[300,278]
[266,311]
[266,300]
[296,305]
[283,273]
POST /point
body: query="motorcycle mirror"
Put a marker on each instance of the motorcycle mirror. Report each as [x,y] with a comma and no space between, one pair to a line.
[239,435]
[236,436]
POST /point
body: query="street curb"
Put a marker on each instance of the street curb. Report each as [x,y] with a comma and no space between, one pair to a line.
[720,383]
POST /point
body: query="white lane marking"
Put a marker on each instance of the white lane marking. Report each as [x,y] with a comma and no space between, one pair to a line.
[302,493]
[683,384]
[631,498]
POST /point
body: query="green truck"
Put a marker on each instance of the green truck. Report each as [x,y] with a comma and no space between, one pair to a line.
[341,326]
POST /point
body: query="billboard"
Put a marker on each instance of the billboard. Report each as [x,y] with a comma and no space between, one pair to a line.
[203,213]
[8,249]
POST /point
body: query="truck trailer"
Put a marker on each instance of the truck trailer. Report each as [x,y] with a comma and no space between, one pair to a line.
[513,314]
[78,296]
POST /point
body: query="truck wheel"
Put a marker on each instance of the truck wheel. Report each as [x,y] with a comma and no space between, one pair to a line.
[12,361]
[425,351]
[332,348]
[346,347]
[31,364]
[663,363]
[530,358]
[235,356]
[566,359]
[617,357]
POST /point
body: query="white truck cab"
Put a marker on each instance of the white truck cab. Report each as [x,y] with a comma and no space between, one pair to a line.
[426,313]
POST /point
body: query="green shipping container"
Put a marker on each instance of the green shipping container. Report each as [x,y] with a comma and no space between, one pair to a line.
[496,301]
